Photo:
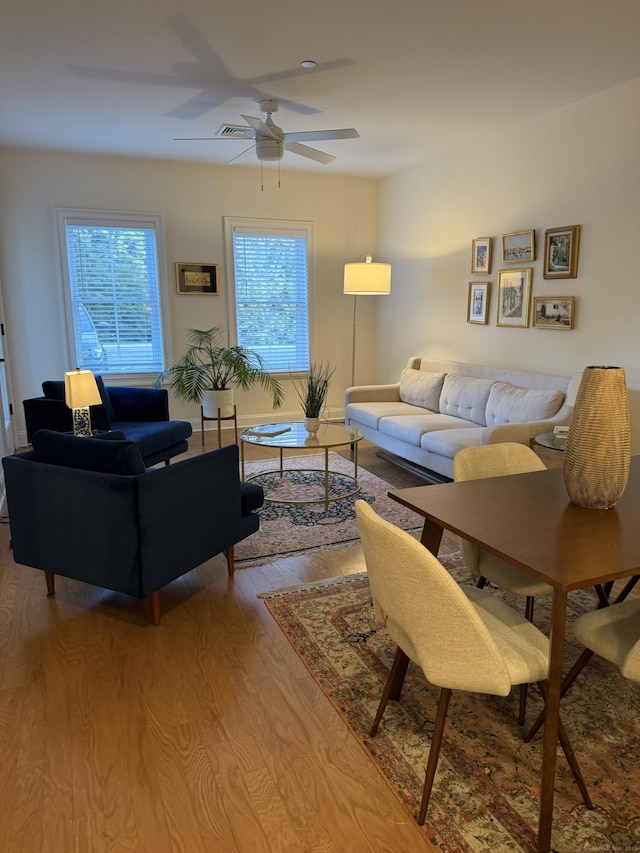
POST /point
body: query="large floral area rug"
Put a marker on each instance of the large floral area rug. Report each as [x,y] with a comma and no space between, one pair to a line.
[292,528]
[485,796]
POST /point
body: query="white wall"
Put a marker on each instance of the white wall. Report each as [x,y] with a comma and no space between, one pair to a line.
[580,165]
[192,198]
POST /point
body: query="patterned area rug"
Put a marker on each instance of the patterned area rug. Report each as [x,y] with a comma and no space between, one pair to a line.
[288,529]
[485,796]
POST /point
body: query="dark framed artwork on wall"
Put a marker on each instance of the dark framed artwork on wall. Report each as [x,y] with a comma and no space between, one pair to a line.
[561,252]
[196,278]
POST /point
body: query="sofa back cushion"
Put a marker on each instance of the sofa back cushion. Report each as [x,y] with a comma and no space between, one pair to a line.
[421,388]
[509,404]
[465,397]
[88,453]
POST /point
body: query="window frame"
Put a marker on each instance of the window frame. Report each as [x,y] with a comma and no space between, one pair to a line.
[268,227]
[114,219]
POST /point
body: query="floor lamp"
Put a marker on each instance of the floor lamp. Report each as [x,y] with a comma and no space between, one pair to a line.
[364,279]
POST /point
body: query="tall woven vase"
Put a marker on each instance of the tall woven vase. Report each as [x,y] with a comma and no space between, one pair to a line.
[598,449]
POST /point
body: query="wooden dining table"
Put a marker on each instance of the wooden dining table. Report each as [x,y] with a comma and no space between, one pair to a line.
[529,521]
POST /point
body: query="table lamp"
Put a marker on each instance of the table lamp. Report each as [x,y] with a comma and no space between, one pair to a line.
[365,279]
[80,392]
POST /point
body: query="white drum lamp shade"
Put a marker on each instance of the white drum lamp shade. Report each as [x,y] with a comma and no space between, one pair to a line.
[364,279]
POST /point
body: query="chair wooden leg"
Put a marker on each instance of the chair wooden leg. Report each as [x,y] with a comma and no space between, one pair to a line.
[154,599]
[572,761]
[567,681]
[230,563]
[434,752]
[51,583]
[524,688]
[392,688]
[481,582]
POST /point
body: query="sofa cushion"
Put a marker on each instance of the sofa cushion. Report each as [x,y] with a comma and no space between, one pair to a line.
[154,437]
[53,389]
[410,429]
[448,442]
[106,400]
[421,388]
[510,404]
[87,453]
[465,397]
[370,414]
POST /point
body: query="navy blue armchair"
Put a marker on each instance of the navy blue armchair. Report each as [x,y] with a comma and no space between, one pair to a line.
[142,414]
[86,508]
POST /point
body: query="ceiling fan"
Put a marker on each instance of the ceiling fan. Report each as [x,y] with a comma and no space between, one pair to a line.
[270,141]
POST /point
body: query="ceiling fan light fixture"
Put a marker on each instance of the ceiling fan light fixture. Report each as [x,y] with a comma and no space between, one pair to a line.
[308,63]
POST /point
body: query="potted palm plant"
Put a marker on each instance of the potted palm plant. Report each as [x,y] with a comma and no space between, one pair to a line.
[312,393]
[208,367]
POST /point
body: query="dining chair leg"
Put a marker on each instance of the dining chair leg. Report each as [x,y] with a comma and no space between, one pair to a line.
[434,752]
[524,688]
[481,582]
[572,761]
[392,688]
[567,681]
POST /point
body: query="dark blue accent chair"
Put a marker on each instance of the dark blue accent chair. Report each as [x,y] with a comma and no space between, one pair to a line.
[142,414]
[87,508]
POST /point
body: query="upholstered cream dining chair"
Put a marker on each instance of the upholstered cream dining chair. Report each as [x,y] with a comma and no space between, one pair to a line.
[462,637]
[498,460]
[614,634]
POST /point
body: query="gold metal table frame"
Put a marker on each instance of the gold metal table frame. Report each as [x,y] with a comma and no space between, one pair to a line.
[294,436]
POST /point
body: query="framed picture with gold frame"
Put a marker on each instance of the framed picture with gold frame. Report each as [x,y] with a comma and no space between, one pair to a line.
[478,302]
[481,255]
[518,247]
[514,297]
[196,278]
[553,312]
[561,252]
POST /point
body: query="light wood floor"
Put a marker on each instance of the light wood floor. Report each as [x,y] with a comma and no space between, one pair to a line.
[206,734]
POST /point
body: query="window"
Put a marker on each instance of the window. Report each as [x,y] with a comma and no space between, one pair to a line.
[112,283]
[269,271]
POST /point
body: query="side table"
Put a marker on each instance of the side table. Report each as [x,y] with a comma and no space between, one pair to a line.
[233,417]
[549,447]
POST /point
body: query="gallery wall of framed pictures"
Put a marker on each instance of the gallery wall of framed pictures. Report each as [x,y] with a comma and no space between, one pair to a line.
[517,305]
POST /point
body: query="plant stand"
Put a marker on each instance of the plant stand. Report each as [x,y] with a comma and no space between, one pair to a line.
[233,417]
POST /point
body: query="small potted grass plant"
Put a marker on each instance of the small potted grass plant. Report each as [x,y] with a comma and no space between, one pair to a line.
[312,393]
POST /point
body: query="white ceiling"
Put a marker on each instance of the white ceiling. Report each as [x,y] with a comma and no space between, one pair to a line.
[126,77]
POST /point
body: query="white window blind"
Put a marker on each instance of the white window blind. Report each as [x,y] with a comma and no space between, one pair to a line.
[112,278]
[271,284]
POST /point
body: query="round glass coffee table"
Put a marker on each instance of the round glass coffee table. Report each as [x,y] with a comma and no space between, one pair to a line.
[294,436]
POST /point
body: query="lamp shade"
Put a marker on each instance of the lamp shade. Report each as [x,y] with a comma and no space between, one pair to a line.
[80,389]
[367,278]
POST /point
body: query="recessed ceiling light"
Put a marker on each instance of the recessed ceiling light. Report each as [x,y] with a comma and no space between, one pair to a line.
[308,63]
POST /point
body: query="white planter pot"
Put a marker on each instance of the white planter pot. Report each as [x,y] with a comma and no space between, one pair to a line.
[214,400]
[312,425]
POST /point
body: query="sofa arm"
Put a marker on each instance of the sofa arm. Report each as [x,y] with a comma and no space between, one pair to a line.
[372,394]
[191,510]
[46,413]
[139,404]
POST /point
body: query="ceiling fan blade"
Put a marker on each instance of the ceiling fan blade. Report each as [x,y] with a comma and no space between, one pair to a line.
[259,126]
[241,154]
[316,135]
[197,138]
[311,153]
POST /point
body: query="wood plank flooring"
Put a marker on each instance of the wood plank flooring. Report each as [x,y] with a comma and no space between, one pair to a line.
[205,734]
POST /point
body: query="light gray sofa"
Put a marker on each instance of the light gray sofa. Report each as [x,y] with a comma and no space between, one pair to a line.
[439,407]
